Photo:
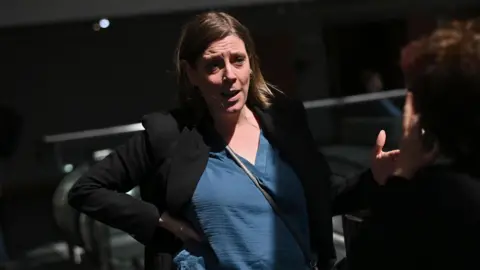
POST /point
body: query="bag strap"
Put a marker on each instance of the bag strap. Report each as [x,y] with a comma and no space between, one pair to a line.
[306,251]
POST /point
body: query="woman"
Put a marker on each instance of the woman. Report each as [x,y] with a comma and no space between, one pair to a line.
[197,202]
[429,218]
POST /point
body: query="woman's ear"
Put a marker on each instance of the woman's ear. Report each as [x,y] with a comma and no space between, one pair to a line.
[191,73]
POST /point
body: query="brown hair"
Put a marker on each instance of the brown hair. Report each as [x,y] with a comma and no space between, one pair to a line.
[196,36]
[442,71]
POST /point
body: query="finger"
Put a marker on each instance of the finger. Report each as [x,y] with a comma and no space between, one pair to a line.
[392,154]
[182,233]
[407,111]
[380,143]
[415,126]
[185,232]
[191,234]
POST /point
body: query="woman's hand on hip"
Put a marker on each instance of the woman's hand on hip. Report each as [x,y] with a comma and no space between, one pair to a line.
[179,228]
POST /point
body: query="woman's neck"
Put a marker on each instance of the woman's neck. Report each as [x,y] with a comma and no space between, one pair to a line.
[226,123]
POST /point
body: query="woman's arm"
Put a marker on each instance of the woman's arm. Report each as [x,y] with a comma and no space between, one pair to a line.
[353,193]
[100,193]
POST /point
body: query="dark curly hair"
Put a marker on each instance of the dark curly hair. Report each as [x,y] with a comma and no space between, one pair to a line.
[442,71]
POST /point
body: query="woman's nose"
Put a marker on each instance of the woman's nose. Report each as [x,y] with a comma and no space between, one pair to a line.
[229,74]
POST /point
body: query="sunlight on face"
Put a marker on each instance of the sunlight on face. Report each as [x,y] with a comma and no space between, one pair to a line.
[222,74]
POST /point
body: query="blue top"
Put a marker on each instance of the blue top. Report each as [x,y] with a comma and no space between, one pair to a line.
[240,228]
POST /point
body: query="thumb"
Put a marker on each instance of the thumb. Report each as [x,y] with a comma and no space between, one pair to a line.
[381,138]
[191,233]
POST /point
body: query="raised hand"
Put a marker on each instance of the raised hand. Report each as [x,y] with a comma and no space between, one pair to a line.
[413,153]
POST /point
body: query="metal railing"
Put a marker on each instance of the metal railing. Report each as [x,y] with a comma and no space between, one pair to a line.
[313,104]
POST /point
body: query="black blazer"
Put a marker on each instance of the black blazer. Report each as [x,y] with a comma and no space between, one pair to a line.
[167,181]
[429,222]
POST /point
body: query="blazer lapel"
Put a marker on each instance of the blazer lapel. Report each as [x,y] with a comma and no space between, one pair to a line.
[297,148]
[187,166]
[278,129]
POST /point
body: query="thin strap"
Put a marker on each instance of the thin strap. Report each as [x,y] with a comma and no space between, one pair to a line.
[306,251]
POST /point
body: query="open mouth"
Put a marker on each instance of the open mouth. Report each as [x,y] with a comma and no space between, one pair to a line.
[230,93]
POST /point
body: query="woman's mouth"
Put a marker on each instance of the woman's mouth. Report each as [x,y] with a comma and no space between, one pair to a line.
[230,94]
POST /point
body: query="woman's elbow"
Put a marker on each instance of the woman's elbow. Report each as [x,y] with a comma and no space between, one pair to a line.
[78,194]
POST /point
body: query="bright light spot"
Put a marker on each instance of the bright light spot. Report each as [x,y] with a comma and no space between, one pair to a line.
[67,168]
[104,23]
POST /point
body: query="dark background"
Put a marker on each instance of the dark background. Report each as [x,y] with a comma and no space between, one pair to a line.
[64,76]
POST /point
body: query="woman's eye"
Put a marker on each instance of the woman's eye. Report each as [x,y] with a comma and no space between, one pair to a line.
[213,67]
[239,60]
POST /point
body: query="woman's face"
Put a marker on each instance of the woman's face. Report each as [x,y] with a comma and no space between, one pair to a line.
[222,74]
